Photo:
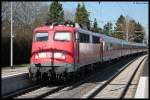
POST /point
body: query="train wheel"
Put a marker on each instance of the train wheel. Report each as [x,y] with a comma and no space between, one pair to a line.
[38,75]
[91,67]
[77,75]
[72,77]
[60,78]
[53,77]
[67,77]
[45,77]
[82,72]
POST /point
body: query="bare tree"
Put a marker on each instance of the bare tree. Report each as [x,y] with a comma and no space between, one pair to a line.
[69,15]
[24,15]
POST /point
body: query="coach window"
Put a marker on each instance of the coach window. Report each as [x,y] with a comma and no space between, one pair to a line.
[62,36]
[84,38]
[95,39]
[41,36]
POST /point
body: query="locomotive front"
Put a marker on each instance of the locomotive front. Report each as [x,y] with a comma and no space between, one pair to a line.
[52,52]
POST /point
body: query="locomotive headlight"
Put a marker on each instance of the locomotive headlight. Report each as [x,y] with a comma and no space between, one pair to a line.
[63,57]
[42,55]
[48,54]
[59,55]
[36,57]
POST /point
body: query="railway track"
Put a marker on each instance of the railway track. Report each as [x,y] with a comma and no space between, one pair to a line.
[42,92]
[83,89]
[117,85]
[72,90]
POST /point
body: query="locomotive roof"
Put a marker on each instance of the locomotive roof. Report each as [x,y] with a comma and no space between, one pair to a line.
[48,28]
[80,30]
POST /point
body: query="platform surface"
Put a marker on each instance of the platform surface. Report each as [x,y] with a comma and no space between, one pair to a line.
[143,87]
[8,72]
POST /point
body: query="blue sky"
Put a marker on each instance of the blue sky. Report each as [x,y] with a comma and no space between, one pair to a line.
[110,11]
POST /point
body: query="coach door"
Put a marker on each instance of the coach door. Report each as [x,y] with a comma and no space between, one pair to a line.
[76,50]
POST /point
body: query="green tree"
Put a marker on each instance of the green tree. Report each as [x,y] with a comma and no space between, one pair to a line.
[55,12]
[100,30]
[139,33]
[77,14]
[82,16]
[120,28]
[95,26]
[135,30]
[107,29]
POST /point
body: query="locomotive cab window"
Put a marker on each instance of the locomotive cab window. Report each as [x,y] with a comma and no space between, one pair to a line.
[62,36]
[41,36]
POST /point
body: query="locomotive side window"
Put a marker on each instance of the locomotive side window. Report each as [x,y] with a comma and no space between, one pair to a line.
[41,36]
[62,36]
[84,38]
[95,39]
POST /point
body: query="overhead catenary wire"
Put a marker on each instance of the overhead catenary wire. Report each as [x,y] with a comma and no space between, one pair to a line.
[121,8]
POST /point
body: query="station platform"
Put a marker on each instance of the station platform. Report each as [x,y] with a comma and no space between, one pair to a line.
[14,79]
[143,85]
[8,72]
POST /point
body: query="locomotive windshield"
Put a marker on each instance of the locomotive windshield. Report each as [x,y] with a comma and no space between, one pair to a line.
[62,36]
[41,36]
